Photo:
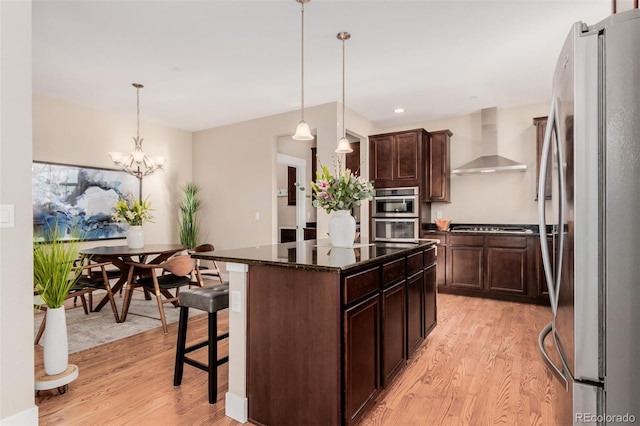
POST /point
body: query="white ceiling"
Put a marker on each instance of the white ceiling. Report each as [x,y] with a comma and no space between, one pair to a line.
[210,63]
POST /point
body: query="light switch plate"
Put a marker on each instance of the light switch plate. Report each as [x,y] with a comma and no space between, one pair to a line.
[7,216]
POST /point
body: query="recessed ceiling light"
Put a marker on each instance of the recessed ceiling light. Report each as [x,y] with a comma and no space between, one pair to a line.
[398,110]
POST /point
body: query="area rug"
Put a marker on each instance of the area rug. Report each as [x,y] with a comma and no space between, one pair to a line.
[98,328]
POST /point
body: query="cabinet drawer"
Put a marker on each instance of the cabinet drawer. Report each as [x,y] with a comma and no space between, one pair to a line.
[518,242]
[361,284]
[414,263]
[430,256]
[393,271]
[466,240]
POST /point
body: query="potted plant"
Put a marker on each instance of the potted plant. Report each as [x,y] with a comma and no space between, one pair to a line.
[134,213]
[54,276]
[188,209]
[339,194]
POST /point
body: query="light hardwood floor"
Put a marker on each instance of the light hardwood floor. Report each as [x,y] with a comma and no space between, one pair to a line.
[479,366]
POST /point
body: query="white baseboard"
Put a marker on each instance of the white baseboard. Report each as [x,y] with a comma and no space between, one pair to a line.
[236,407]
[26,418]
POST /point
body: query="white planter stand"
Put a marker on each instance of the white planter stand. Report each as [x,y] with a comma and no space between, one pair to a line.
[59,381]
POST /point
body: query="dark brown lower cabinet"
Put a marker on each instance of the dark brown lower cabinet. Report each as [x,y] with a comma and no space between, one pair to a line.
[415,311]
[505,267]
[362,361]
[394,352]
[465,255]
[430,305]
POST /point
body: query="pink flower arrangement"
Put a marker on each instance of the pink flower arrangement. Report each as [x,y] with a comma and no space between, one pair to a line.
[344,191]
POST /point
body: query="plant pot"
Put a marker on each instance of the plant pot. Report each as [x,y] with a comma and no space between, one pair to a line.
[56,347]
[135,237]
[342,229]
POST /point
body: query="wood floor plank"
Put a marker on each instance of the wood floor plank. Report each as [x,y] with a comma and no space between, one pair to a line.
[479,366]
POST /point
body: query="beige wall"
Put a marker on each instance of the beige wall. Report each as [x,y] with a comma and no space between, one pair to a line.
[236,165]
[67,133]
[496,197]
[17,403]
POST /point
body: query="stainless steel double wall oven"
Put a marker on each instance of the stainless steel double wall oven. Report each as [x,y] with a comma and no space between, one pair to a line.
[396,214]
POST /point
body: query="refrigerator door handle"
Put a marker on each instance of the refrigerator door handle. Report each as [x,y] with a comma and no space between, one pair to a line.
[544,160]
[559,373]
[562,213]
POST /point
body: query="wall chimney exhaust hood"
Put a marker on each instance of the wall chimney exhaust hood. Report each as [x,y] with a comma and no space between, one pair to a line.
[490,161]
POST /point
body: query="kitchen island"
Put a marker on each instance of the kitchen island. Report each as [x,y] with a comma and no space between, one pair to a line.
[316,332]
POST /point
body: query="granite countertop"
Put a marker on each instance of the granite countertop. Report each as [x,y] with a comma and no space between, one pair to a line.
[316,255]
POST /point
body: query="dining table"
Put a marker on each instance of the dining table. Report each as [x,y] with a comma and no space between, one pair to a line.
[119,256]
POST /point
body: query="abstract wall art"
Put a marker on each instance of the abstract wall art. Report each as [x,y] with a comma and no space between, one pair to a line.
[79,200]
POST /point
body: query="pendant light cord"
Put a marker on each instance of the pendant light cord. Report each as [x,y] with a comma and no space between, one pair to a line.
[302,61]
[344,129]
[138,111]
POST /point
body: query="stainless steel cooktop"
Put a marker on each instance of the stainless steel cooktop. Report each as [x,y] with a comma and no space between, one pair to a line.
[493,229]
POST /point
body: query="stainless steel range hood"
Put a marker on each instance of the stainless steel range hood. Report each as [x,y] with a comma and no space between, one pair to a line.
[490,161]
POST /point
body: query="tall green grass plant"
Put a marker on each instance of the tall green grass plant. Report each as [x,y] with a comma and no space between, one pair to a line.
[53,267]
[188,209]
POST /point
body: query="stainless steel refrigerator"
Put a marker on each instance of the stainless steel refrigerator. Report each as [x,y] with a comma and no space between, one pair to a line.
[591,247]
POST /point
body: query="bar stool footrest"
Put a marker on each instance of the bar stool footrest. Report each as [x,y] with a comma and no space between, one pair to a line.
[202,366]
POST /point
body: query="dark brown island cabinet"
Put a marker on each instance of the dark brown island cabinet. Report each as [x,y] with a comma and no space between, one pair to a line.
[328,329]
[413,158]
[505,266]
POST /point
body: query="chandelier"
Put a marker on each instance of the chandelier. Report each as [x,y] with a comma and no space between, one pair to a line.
[303,132]
[344,147]
[137,163]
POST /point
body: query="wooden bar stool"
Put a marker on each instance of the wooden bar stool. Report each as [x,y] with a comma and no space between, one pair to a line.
[210,300]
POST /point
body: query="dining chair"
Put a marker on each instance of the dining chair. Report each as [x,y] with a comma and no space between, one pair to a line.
[206,271]
[93,277]
[176,273]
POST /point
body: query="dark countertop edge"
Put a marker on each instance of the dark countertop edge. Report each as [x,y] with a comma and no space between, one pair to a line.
[211,256]
[407,248]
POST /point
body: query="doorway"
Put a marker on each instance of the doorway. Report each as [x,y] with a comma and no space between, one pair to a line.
[291,225]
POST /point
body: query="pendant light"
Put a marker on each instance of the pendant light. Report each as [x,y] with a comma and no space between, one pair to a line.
[343,144]
[303,132]
[137,163]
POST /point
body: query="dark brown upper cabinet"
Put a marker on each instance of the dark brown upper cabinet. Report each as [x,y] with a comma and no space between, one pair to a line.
[437,168]
[541,128]
[413,158]
[396,158]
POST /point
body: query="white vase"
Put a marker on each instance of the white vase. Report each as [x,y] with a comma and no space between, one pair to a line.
[135,237]
[342,229]
[56,347]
